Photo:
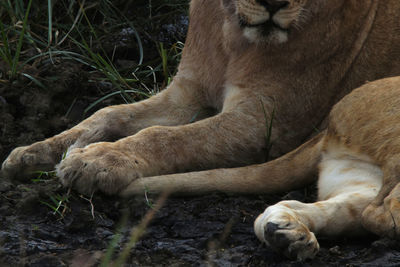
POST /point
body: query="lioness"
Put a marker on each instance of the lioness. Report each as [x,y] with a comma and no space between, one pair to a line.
[246,64]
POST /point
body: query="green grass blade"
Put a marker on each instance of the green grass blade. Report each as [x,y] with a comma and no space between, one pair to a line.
[5,52]
[21,39]
[66,54]
[50,22]
[112,94]
[164,58]
[107,257]
[19,8]
[74,24]
[36,81]
[135,32]
[53,208]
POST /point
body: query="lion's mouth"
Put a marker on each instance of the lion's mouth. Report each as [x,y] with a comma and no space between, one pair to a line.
[266,27]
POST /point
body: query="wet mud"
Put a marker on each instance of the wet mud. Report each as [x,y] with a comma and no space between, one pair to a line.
[210,230]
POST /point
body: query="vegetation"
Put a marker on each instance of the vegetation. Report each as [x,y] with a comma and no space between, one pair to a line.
[130,45]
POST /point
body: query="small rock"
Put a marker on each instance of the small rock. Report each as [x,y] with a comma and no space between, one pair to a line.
[384,244]
[335,250]
[28,203]
[5,186]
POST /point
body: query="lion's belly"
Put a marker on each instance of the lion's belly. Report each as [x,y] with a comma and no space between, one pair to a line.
[343,170]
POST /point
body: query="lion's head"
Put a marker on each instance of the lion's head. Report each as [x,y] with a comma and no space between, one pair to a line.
[270,20]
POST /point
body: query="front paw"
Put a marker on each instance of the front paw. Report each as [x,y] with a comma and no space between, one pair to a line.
[99,166]
[286,234]
[24,161]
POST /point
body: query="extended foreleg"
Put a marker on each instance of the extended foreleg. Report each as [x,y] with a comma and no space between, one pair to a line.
[176,105]
[219,141]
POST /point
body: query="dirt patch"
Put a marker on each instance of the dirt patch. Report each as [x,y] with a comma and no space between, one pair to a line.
[214,230]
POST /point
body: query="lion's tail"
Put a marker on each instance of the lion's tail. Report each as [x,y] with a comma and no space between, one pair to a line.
[292,170]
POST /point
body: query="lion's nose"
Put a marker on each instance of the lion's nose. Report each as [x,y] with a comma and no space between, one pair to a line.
[273,6]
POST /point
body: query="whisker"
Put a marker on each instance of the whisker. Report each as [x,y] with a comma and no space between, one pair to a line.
[302,17]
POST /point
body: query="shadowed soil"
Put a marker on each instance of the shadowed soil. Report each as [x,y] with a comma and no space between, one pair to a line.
[211,230]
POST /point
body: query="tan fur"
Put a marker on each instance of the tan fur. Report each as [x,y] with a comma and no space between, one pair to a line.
[359,155]
[243,60]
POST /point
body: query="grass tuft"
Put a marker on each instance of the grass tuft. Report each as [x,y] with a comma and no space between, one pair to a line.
[55,31]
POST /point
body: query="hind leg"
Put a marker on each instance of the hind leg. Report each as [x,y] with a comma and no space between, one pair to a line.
[384,219]
[346,187]
[289,227]
[382,216]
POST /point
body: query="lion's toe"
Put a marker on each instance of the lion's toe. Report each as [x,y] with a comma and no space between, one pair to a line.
[96,168]
[285,234]
[23,162]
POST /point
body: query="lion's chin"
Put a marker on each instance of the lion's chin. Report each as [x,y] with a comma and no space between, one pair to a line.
[272,35]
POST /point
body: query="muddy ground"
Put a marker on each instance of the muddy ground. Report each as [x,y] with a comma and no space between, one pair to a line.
[213,230]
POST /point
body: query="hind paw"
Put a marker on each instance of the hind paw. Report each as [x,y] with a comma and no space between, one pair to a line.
[280,228]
